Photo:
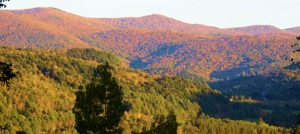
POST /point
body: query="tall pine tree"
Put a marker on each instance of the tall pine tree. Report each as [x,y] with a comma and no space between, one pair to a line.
[100,108]
[6,73]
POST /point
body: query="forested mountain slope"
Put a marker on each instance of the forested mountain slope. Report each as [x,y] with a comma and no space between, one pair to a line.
[41,99]
[258,29]
[294,30]
[160,22]
[154,43]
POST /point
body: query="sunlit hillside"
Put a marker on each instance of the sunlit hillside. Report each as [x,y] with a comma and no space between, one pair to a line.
[40,100]
[154,43]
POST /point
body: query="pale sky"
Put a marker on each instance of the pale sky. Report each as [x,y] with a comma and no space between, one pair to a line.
[219,13]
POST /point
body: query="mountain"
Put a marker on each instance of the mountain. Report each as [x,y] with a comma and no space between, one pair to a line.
[45,27]
[154,43]
[244,65]
[294,30]
[63,20]
[258,29]
[160,22]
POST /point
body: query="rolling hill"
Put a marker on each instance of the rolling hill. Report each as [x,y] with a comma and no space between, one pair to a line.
[160,22]
[155,43]
[258,29]
[294,30]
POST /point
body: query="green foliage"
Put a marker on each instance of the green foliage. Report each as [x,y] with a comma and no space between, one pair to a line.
[164,125]
[161,96]
[276,94]
[41,101]
[64,69]
[99,109]
[276,113]
[92,54]
[36,104]
[205,125]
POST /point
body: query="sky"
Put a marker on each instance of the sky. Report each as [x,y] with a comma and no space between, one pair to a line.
[219,13]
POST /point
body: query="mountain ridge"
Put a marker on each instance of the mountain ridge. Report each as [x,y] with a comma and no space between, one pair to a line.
[258,29]
[156,43]
[155,16]
[294,30]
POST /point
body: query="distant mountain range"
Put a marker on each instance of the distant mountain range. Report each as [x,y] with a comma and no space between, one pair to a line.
[154,43]
[160,22]
[294,30]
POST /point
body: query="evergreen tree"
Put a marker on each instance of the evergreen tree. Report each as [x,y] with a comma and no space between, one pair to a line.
[297,129]
[100,108]
[164,125]
[6,73]
[171,124]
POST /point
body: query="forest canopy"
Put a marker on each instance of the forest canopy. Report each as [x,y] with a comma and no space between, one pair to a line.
[42,99]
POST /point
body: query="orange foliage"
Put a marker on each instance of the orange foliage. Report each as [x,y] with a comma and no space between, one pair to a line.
[152,42]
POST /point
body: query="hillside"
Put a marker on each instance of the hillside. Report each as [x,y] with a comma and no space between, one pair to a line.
[258,29]
[41,99]
[64,21]
[274,86]
[160,22]
[294,30]
[45,28]
[154,43]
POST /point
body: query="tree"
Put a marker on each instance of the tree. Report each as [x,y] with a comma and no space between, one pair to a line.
[164,125]
[6,73]
[297,128]
[1,3]
[296,48]
[100,108]
[261,122]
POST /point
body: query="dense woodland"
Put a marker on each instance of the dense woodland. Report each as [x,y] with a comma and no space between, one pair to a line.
[41,98]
